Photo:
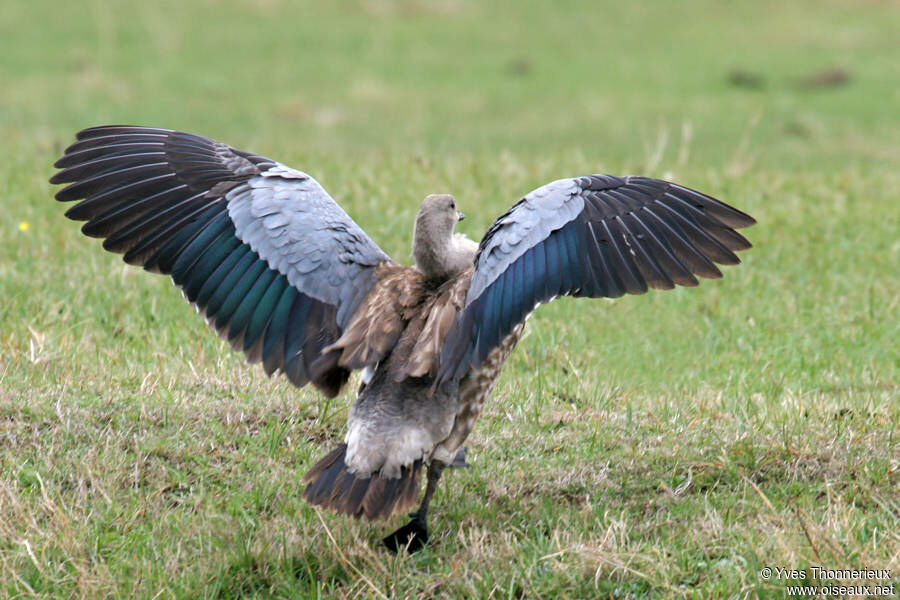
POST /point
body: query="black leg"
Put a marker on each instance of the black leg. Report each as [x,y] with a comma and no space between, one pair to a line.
[414,535]
[435,469]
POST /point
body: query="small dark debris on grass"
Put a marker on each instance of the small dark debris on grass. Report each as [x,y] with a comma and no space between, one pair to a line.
[519,66]
[571,399]
[829,78]
[746,79]
[799,128]
[843,413]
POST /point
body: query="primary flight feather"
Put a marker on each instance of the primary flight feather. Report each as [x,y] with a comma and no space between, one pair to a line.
[286,276]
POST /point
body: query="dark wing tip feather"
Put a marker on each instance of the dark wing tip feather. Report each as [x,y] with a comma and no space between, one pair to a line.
[104,130]
[681,232]
[725,213]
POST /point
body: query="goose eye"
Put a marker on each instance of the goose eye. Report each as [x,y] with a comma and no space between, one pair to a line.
[452,204]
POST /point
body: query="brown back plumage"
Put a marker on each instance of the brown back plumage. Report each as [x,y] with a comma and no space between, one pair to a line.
[435,318]
[382,316]
[402,316]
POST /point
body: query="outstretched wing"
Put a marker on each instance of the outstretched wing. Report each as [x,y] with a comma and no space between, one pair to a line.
[594,236]
[262,250]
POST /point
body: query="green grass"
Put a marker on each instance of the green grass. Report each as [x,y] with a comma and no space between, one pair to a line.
[669,445]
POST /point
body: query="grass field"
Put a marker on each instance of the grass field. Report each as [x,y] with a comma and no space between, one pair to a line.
[668,445]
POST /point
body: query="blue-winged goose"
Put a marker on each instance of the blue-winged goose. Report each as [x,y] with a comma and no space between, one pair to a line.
[287,277]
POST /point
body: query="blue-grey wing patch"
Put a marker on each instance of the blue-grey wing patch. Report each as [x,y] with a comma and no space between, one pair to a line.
[291,222]
[262,251]
[594,236]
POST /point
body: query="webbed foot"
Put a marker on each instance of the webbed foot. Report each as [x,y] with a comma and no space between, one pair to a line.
[413,536]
